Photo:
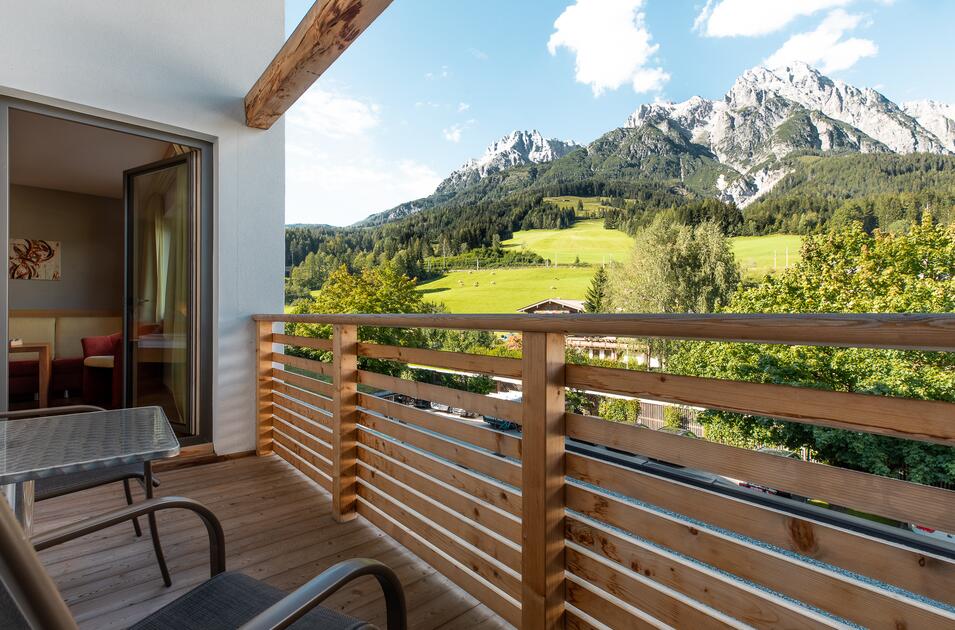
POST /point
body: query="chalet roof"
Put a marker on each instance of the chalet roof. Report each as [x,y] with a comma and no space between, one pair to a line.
[576,305]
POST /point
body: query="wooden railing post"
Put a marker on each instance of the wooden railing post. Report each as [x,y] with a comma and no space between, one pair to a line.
[344,422]
[542,557]
[263,389]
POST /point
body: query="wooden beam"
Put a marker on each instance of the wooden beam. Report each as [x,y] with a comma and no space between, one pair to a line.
[328,28]
[542,491]
[345,422]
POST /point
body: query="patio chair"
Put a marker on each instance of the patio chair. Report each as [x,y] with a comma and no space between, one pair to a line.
[59,485]
[29,598]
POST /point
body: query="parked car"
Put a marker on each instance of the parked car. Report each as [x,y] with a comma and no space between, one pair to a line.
[499,423]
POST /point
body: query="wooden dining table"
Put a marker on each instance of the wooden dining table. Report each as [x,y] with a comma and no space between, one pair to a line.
[42,350]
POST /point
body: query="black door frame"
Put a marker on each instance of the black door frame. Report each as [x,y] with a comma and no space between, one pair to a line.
[205,242]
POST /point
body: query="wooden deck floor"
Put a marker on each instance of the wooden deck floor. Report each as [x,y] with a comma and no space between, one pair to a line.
[278,528]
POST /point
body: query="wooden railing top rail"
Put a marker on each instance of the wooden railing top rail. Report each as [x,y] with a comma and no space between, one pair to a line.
[904,331]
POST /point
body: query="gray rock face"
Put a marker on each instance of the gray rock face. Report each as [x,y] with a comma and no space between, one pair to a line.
[515,149]
[768,114]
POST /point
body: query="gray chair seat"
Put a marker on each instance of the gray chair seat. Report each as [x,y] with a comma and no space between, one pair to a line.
[58,485]
[230,599]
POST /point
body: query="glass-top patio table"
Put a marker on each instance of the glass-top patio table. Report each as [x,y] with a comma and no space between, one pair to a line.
[40,447]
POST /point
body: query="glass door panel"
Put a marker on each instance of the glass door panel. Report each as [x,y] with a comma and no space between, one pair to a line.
[160,289]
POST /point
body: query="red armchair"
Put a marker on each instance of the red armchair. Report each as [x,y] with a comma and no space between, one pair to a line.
[102,370]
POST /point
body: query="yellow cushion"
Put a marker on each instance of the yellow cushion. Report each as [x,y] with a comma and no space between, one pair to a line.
[32,330]
[71,330]
[104,361]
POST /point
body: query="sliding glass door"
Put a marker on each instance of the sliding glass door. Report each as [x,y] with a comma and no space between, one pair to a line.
[161,289]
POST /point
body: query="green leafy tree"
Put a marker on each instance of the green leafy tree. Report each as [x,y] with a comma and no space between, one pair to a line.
[619,410]
[676,268]
[850,271]
[381,289]
[596,301]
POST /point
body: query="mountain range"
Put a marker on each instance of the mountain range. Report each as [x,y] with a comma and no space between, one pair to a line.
[735,149]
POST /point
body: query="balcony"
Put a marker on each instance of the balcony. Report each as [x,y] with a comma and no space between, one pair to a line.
[570,521]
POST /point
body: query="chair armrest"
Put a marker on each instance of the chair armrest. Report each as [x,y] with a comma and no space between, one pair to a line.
[296,604]
[150,506]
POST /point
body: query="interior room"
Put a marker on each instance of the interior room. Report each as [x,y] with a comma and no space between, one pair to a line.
[79,252]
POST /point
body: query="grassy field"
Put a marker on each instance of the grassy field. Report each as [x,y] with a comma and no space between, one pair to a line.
[586,239]
[759,255]
[506,290]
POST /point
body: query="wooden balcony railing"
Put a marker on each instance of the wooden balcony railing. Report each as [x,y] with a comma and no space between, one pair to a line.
[551,535]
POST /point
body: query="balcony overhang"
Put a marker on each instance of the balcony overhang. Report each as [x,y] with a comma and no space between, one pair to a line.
[326,31]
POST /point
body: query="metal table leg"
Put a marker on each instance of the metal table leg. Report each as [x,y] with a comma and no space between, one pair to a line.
[20,497]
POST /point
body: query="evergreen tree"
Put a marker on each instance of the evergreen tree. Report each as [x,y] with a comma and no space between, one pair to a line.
[597,293]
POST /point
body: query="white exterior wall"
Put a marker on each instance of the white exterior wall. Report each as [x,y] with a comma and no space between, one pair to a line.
[185,66]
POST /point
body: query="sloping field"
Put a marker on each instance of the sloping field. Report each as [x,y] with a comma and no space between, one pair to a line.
[586,239]
[506,290]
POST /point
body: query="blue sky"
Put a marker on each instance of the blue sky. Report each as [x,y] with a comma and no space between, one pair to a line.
[433,82]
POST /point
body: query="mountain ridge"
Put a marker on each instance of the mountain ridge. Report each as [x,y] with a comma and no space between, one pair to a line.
[735,149]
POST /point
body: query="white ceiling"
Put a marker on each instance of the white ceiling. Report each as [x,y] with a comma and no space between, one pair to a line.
[49,152]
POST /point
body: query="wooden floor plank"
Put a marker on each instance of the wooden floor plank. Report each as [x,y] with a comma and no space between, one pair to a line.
[278,528]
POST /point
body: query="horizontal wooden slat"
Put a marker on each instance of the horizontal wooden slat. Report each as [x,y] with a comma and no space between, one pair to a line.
[603,609]
[478,403]
[316,475]
[303,342]
[457,573]
[743,602]
[281,400]
[476,485]
[460,501]
[859,602]
[913,331]
[492,465]
[887,497]
[303,382]
[299,450]
[472,431]
[303,437]
[640,592]
[495,547]
[890,563]
[318,367]
[462,361]
[311,427]
[302,395]
[928,420]
[494,573]
[574,619]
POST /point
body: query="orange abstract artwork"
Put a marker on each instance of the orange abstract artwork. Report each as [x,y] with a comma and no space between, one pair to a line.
[33,259]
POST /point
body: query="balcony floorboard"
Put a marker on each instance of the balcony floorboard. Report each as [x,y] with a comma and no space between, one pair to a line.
[278,528]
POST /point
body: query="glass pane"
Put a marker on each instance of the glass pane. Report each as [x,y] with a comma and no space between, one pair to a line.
[161,293]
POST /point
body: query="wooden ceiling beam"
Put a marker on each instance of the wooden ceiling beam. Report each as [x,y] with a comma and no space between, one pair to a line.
[329,27]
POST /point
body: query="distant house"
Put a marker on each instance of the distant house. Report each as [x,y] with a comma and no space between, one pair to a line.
[554,305]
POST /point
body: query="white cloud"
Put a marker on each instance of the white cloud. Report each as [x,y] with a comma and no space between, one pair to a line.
[455,131]
[825,47]
[749,18]
[333,115]
[443,73]
[612,45]
[463,107]
[336,170]
[479,54]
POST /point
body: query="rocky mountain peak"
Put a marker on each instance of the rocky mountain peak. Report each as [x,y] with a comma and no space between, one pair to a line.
[517,148]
